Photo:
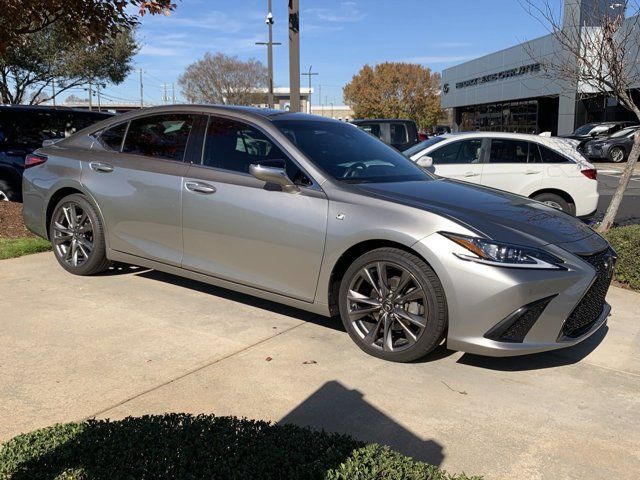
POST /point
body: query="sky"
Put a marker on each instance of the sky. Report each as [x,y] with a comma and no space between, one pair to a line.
[337,38]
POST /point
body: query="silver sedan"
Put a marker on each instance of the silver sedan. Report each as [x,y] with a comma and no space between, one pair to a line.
[319,215]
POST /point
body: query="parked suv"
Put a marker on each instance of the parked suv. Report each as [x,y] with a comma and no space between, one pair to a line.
[615,148]
[400,134]
[23,129]
[549,170]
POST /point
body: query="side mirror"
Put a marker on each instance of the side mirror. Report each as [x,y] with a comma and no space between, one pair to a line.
[274,175]
[425,161]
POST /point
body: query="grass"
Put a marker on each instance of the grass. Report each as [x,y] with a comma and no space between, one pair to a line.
[17,247]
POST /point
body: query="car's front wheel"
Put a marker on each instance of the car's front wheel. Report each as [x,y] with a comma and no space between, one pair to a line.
[77,236]
[6,192]
[393,305]
[556,201]
[616,154]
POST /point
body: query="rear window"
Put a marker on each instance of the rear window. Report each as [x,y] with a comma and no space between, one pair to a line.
[398,133]
[160,136]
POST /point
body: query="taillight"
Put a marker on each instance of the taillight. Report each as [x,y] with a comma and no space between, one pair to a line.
[591,173]
[34,159]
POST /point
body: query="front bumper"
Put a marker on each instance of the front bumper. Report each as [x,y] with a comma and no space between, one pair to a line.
[480,297]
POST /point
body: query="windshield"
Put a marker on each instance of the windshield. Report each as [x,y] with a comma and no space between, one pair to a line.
[348,154]
[584,130]
[410,152]
[624,132]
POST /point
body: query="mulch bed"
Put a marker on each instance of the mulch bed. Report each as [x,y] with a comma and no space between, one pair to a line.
[11,224]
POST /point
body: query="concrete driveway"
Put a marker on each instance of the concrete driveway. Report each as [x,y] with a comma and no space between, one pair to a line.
[136,342]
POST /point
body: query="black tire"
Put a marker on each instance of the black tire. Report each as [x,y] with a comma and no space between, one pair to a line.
[556,201]
[617,155]
[96,259]
[430,308]
[6,192]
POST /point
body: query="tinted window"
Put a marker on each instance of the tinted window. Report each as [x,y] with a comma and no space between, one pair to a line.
[372,128]
[508,151]
[234,146]
[549,156]
[112,138]
[398,133]
[466,151]
[348,154]
[161,136]
[410,152]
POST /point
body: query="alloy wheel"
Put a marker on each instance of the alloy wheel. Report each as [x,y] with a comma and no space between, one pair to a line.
[387,307]
[72,234]
[3,197]
[617,155]
[553,204]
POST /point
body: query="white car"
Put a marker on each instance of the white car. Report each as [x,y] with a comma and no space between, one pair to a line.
[550,170]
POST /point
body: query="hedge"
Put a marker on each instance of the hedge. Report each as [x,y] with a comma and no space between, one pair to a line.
[181,446]
[626,242]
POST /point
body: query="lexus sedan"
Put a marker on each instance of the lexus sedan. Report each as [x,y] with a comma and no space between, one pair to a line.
[615,148]
[316,214]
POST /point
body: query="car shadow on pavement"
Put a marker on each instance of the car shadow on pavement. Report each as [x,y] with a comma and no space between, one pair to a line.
[121,269]
[333,323]
[335,408]
[538,361]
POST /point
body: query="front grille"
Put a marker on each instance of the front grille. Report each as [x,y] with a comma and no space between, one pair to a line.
[590,307]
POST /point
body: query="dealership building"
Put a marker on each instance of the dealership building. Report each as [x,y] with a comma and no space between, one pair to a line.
[508,91]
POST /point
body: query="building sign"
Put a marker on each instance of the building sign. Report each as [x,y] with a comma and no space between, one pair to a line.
[494,77]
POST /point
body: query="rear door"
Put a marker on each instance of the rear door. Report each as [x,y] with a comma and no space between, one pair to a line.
[138,184]
[461,160]
[513,165]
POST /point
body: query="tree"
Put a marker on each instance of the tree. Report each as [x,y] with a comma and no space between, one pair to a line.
[597,52]
[225,80]
[29,69]
[395,90]
[91,21]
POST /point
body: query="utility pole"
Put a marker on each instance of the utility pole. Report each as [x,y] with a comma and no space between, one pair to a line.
[90,99]
[269,21]
[173,93]
[141,91]
[294,54]
[165,95]
[98,90]
[309,74]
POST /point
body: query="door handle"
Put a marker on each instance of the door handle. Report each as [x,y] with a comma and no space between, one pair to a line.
[531,172]
[101,167]
[200,187]
[471,174]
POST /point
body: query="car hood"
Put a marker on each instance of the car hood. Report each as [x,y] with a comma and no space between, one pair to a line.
[492,213]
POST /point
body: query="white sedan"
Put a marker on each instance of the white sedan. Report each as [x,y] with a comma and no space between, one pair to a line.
[547,169]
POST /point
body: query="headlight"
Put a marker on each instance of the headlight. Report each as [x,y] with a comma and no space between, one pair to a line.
[504,254]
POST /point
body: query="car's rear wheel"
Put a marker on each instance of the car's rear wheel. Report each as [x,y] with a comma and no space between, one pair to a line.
[556,201]
[77,236]
[393,305]
[616,154]
[6,192]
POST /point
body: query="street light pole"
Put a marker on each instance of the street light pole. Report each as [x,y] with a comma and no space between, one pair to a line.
[294,54]
[310,74]
[269,44]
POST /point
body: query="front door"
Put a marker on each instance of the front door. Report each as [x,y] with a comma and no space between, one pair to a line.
[237,228]
[138,184]
[461,160]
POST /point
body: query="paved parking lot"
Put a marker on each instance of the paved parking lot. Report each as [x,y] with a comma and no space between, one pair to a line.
[137,342]
[608,179]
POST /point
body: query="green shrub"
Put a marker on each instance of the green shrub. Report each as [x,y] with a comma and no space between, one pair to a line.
[17,247]
[181,446]
[626,242]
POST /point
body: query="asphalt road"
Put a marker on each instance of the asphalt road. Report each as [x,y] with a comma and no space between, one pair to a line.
[608,179]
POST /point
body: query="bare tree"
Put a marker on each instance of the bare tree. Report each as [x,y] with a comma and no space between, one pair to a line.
[596,53]
[225,80]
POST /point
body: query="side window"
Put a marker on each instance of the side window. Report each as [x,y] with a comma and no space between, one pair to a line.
[549,156]
[508,151]
[467,151]
[234,146]
[534,153]
[111,139]
[372,128]
[398,133]
[161,136]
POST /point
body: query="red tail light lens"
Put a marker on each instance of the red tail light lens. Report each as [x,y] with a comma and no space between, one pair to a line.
[34,159]
[591,173]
